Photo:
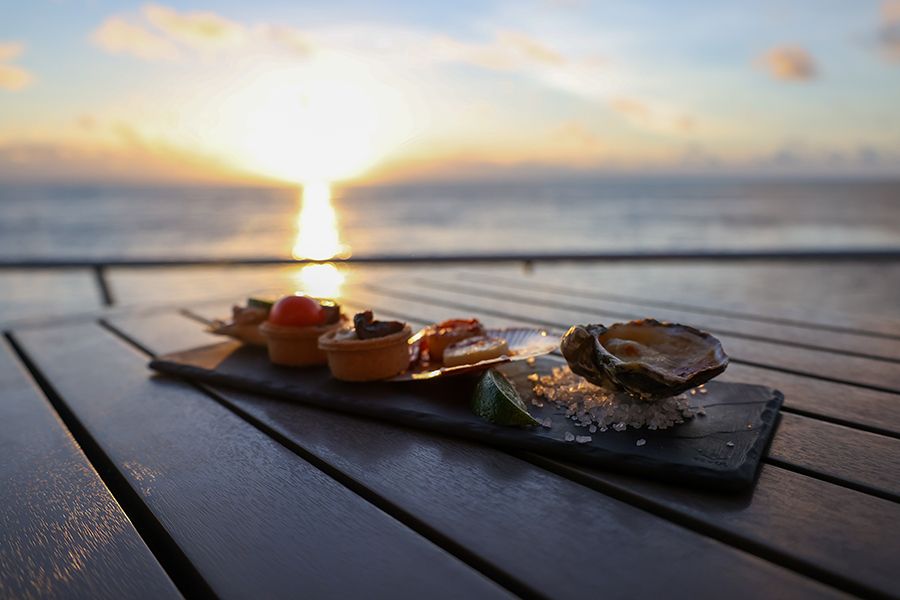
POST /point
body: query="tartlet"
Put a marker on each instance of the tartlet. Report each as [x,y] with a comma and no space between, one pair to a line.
[372,350]
[295,346]
[292,332]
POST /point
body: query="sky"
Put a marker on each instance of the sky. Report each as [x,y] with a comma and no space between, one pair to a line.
[346,90]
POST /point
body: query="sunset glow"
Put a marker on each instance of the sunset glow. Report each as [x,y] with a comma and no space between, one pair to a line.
[294,93]
[317,227]
[322,281]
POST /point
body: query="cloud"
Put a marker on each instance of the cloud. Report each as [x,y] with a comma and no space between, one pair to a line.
[118,36]
[508,50]
[199,30]
[12,77]
[125,155]
[789,63]
[288,38]
[889,31]
[162,33]
[10,50]
[652,118]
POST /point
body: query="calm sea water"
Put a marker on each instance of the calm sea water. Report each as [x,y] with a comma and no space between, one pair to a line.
[93,221]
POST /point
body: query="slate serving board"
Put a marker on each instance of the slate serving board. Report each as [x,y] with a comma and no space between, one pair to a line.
[720,450]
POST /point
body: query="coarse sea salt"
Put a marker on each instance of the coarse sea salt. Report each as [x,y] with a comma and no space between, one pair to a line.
[594,407]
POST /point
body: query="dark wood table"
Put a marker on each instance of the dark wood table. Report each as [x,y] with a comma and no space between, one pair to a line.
[118,483]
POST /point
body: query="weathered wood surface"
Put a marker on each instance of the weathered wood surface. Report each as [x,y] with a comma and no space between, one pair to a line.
[524,523]
[62,534]
[253,518]
[41,294]
[824,509]
[856,296]
[838,339]
[822,546]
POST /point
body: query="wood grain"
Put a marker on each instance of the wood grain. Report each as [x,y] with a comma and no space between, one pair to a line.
[822,545]
[521,520]
[62,534]
[782,332]
[799,521]
[253,518]
[852,295]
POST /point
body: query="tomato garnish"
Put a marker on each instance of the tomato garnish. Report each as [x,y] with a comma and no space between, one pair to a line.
[297,311]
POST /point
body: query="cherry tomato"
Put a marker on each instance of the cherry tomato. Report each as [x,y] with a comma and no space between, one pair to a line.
[297,311]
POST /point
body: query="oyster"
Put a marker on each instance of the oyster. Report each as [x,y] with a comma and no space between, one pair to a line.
[647,358]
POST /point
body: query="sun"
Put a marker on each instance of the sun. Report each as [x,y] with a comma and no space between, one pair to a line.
[330,120]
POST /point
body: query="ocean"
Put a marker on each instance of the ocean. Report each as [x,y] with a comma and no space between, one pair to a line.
[134,222]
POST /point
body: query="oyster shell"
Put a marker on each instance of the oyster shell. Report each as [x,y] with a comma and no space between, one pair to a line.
[647,358]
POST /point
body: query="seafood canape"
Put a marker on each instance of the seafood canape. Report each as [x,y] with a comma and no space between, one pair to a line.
[293,328]
[438,337]
[245,322]
[369,351]
[474,349]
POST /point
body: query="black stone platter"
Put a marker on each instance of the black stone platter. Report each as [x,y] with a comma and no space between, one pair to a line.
[720,450]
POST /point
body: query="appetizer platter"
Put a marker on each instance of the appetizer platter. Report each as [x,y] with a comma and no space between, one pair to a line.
[635,397]
[300,331]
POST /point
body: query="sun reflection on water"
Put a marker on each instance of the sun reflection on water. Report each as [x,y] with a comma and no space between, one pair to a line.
[318,238]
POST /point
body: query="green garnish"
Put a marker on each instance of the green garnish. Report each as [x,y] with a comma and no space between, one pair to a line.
[497,401]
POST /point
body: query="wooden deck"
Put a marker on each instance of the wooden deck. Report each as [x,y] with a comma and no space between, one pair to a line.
[117,483]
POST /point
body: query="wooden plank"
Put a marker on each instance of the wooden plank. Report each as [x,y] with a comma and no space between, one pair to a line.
[857,295]
[40,293]
[841,342]
[556,313]
[872,410]
[62,534]
[523,521]
[859,459]
[593,285]
[804,519]
[254,519]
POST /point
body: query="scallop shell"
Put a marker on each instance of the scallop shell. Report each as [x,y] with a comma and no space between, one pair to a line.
[647,358]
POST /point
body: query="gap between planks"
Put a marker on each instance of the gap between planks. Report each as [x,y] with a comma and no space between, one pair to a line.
[173,561]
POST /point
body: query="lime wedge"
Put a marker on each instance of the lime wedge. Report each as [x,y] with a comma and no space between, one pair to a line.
[497,401]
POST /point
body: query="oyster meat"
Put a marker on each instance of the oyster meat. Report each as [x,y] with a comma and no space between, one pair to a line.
[646,358]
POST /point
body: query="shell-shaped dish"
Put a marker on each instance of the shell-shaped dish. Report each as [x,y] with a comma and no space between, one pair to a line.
[646,358]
